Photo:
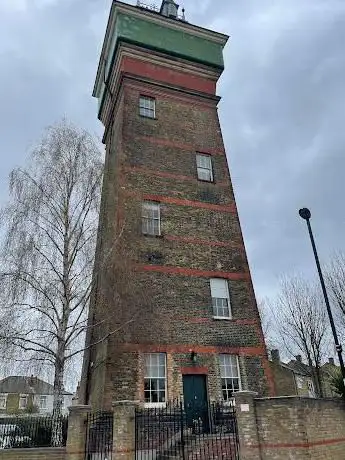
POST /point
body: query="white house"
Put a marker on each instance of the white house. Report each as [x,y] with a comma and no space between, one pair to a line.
[20,393]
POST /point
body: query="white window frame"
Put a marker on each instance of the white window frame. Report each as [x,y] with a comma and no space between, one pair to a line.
[203,168]
[147,106]
[150,207]
[3,397]
[40,402]
[225,376]
[22,397]
[151,404]
[220,298]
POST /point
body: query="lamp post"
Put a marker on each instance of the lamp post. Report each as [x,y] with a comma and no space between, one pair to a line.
[306,215]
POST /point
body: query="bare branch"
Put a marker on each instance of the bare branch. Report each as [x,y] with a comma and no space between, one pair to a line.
[50,228]
[102,339]
[301,318]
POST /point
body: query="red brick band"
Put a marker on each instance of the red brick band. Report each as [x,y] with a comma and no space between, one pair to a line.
[240,322]
[168,75]
[193,272]
[302,445]
[194,370]
[158,348]
[181,202]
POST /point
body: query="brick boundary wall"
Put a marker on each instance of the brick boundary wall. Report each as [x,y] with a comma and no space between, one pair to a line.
[269,429]
[290,427]
[33,454]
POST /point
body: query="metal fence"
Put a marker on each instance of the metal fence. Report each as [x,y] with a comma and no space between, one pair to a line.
[29,431]
[147,6]
[186,433]
[99,436]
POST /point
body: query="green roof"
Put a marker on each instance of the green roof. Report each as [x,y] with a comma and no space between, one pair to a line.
[150,30]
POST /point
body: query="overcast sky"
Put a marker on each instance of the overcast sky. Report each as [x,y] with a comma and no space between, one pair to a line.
[282,110]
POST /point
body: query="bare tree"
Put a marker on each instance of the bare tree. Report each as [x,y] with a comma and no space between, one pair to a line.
[50,235]
[302,324]
[335,279]
[267,323]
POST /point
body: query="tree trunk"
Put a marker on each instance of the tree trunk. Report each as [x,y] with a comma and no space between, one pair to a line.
[318,381]
[57,439]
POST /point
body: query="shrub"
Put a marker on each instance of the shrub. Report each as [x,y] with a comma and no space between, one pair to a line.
[337,383]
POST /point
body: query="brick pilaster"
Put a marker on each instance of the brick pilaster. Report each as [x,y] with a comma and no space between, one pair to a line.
[247,425]
[76,436]
[124,430]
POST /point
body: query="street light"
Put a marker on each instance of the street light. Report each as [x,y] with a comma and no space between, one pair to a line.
[306,215]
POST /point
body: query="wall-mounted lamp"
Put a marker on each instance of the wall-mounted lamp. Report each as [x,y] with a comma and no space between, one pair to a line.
[193,356]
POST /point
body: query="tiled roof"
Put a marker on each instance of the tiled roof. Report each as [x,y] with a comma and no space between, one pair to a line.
[26,385]
[299,368]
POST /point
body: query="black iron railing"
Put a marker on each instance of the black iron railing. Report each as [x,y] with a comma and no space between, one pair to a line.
[29,431]
[187,431]
[159,429]
[99,436]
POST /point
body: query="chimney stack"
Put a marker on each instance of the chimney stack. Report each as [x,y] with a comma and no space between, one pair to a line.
[298,358]
[275,356]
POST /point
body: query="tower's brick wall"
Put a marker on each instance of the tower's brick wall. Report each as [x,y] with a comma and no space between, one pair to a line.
[158,287]
[152,294]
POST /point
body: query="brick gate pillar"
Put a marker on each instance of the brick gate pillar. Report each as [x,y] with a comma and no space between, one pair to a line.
[247,426]
[76,434]
[124,430]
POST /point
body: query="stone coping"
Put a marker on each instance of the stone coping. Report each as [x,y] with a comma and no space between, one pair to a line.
[125,403]
[80,408]
[298,398]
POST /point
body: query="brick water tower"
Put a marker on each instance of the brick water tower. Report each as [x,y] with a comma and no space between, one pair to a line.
[173,312]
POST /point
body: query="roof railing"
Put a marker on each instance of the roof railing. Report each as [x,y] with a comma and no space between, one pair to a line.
[151,6]
[154,7]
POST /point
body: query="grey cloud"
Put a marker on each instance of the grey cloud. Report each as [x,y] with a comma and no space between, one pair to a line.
[282,109]
[48,60]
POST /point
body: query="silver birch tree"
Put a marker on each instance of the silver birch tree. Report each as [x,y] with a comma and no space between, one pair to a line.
[49,227]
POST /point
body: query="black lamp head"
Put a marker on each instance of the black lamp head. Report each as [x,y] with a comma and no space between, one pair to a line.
[305,213]
[193,356]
